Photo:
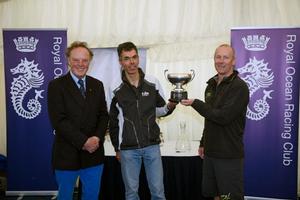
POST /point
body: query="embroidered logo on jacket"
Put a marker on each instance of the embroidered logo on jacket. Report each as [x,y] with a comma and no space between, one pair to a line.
[145,94]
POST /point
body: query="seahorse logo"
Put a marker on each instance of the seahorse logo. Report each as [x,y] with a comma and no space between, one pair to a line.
[258,76]
[30,77]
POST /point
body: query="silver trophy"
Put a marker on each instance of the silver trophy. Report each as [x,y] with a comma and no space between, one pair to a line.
[179,79]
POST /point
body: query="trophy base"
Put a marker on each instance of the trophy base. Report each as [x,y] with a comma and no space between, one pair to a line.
[178,96]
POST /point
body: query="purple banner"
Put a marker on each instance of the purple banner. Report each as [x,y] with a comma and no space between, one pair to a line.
[32,58]
[269,60]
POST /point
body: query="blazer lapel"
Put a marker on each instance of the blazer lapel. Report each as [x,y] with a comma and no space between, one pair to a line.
[74,90]
[89,98]
[89,88]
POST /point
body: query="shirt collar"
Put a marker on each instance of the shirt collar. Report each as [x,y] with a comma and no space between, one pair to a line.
[75,78]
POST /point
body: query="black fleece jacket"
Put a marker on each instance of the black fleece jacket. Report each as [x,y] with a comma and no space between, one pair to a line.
[224,110]
[133,114]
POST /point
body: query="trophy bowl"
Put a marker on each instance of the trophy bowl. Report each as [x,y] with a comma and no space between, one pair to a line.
[179,79]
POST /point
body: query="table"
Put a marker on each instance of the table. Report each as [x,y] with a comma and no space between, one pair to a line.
[182,175]
[182,179]
[167,149]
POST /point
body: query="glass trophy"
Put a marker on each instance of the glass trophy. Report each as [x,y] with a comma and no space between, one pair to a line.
[183,143]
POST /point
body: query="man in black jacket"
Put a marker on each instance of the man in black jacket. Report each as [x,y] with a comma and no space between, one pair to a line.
[221,146]
[136,103]
[78,113]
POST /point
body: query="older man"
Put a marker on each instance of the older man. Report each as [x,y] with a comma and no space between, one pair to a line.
[78,113]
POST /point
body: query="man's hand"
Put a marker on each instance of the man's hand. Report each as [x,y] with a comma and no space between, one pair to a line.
[187,102]
[171,105]
[92,144]
[201,152]
[118,156]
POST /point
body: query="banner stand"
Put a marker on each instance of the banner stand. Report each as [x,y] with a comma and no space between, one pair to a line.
[268,60]
[32,58]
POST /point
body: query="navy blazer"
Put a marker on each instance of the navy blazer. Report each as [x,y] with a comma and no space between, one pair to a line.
[74,119]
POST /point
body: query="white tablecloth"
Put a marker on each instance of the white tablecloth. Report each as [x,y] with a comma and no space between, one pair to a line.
[167,149]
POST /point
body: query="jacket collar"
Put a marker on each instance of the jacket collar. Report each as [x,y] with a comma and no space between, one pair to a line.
[141,74]
[225,79]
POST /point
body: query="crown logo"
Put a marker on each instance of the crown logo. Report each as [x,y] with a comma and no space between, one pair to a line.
[255,42]
[25,44]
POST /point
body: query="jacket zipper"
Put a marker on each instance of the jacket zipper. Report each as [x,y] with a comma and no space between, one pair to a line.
[138,113]
[134,130]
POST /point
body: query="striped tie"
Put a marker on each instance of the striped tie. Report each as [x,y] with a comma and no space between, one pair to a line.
[81,88]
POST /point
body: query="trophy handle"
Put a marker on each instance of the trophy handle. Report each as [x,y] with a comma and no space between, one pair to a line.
[193,74]
[165,73]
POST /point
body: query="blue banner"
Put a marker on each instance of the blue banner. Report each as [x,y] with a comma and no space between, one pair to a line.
[32,58]
[269,60]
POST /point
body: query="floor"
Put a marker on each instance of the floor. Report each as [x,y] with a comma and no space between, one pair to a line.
[3,197]
[28,198]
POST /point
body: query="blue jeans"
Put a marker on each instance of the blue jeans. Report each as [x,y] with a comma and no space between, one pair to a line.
[89,177]
[131,161]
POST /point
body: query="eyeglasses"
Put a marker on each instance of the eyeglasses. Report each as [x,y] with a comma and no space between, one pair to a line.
[133,58]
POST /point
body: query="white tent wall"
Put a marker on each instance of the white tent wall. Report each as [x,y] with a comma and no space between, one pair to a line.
[180,34]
